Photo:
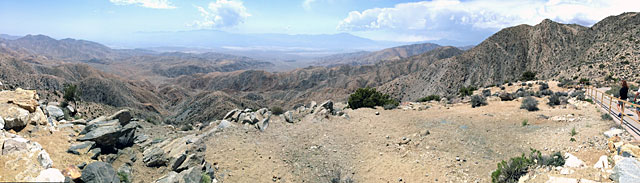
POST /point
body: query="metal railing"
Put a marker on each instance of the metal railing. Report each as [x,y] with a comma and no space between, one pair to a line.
[606,101]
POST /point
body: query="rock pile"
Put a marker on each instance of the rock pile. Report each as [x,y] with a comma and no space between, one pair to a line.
[259,118]
[19,108]
[30,157]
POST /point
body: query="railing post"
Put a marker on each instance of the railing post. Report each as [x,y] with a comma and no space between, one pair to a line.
[610,101]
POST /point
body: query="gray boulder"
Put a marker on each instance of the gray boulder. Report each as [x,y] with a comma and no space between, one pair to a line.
[14,117]
[327,105]
[127,135]
[44,159]
[14,145]
[123,116]
[288,116]
[230,114]
[81,148]
[193,174]
[626,170]
[154,157]
[105,136]
[55,112]
[99,172]
[95,124]
[224,124]
[169,178]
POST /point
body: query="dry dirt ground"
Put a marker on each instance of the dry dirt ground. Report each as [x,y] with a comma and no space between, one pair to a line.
[464,144]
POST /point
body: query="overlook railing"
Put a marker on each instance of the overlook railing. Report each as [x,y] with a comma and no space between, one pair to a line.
[628,118]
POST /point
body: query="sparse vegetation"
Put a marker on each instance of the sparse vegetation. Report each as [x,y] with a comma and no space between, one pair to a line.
[429,98]
[528,76]
[486,92]
[275,110]
[467,91]
[477,101]
[606,117]
[124,177]
[71,93]
[510,171]
[530,104]
[585,81]
[557,99]
[369,97]
[525,122]
[544,86]
[573,131]
[205,178]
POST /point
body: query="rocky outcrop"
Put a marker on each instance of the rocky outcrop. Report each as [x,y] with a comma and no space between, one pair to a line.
[109,133]
[626,170]
[99,172]
[259,118]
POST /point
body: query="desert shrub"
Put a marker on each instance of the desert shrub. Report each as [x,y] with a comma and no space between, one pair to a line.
[390,106]
[546,92]
[486,92]
[556,100]
[477,101]
[585,81]
[124,177]
[579,95]
[573,131]
[71,93]
[530,104]
[525,122]
[502,88]
[429,98]
[523,84]
[565,82]
[601,66]
[369,97]
[606,117]
[510,84]
[467,91]
[205,178]
[275,110]
[510,171]
[562,94]
[186,127]
[528,76]
[544,86]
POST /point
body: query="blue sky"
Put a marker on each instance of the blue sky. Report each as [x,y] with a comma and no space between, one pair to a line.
[394,20]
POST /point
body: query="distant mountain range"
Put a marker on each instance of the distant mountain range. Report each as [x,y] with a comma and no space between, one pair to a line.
[365,58]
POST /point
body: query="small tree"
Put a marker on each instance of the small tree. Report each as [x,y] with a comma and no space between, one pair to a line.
[467,91]
[528,76]
[71,93]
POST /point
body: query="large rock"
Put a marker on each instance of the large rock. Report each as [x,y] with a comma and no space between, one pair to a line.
[93,124]
[81,148]
[169,178]
[127,135]
[154,157]
[505,96]
[572,161]
[193,174]
[55,111]
[50,175]
[327,105]
[14,145]
[105,136]
[225,124]
[14,117]
[288,116]
[99,172]
[603,163]
[26,99]
[38,117]
[613,132]
[230,114]
[44,159]
[123,116]
[626,170]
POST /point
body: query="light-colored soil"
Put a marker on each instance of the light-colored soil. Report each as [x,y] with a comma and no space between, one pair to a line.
[358,148]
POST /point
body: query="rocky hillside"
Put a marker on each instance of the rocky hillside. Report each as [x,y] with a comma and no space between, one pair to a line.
[366,58]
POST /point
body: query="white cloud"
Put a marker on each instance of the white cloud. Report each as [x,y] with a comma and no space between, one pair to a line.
[222,13]
[156,4]
[307,4]
[453,18]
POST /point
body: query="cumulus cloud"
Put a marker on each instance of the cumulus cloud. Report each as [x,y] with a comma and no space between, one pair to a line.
[457,18]
[306,4]
[221,13]
[156,4]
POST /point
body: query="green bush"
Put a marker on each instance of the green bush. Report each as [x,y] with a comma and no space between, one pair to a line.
[429,98]
[530,104]
[275,110]
[369,97]
[486,93]
[467,91]
[601,66]
[585,81]
[124,177]
[606,117]
[477,101]
[205,178]
[510,171]
[390,106]
[71,93]
[525,122]
[528,76]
